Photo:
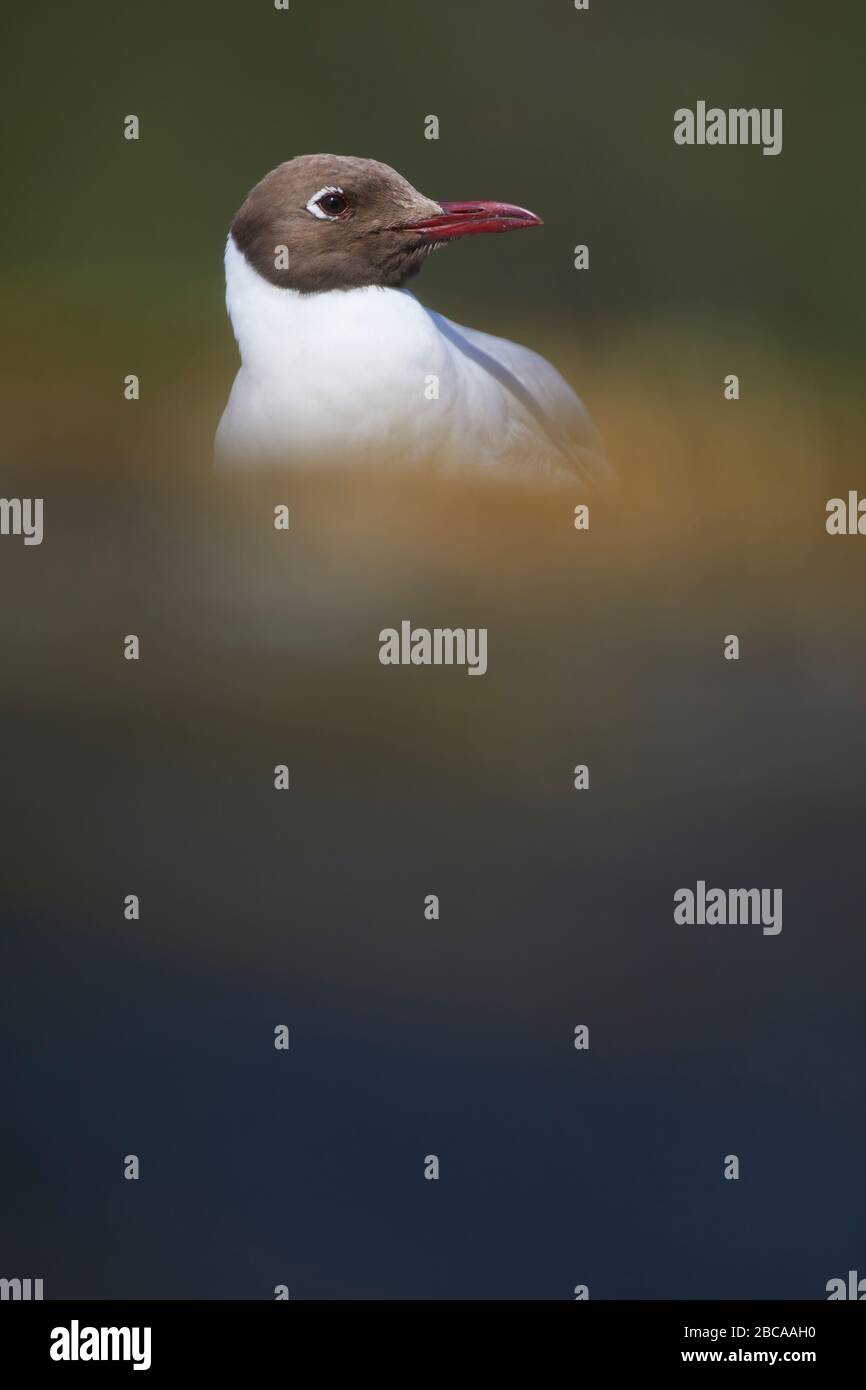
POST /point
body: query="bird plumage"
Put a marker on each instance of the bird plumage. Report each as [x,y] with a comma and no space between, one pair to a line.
[367,373]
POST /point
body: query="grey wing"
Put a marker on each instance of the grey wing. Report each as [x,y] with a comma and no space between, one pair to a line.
[556,410]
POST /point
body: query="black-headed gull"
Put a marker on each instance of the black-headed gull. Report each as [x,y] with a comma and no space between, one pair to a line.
[339,362]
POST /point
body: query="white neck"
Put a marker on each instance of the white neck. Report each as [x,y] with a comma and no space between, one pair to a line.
[271,323]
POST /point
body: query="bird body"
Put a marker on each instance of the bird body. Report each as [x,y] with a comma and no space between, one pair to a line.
[333,374]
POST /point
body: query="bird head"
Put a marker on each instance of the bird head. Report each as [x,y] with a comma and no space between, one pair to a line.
[332,222]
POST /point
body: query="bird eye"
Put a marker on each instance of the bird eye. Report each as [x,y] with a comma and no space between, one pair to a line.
[333,204]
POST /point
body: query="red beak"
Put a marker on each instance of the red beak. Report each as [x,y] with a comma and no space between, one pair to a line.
[467,219]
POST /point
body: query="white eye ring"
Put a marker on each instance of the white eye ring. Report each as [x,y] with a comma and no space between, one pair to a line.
[313,207]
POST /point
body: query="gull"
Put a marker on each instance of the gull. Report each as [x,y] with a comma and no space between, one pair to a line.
[340,363]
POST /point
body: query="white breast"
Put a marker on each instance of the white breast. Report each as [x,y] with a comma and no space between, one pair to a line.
[351,374]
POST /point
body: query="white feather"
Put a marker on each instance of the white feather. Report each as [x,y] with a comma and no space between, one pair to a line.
[349,374]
